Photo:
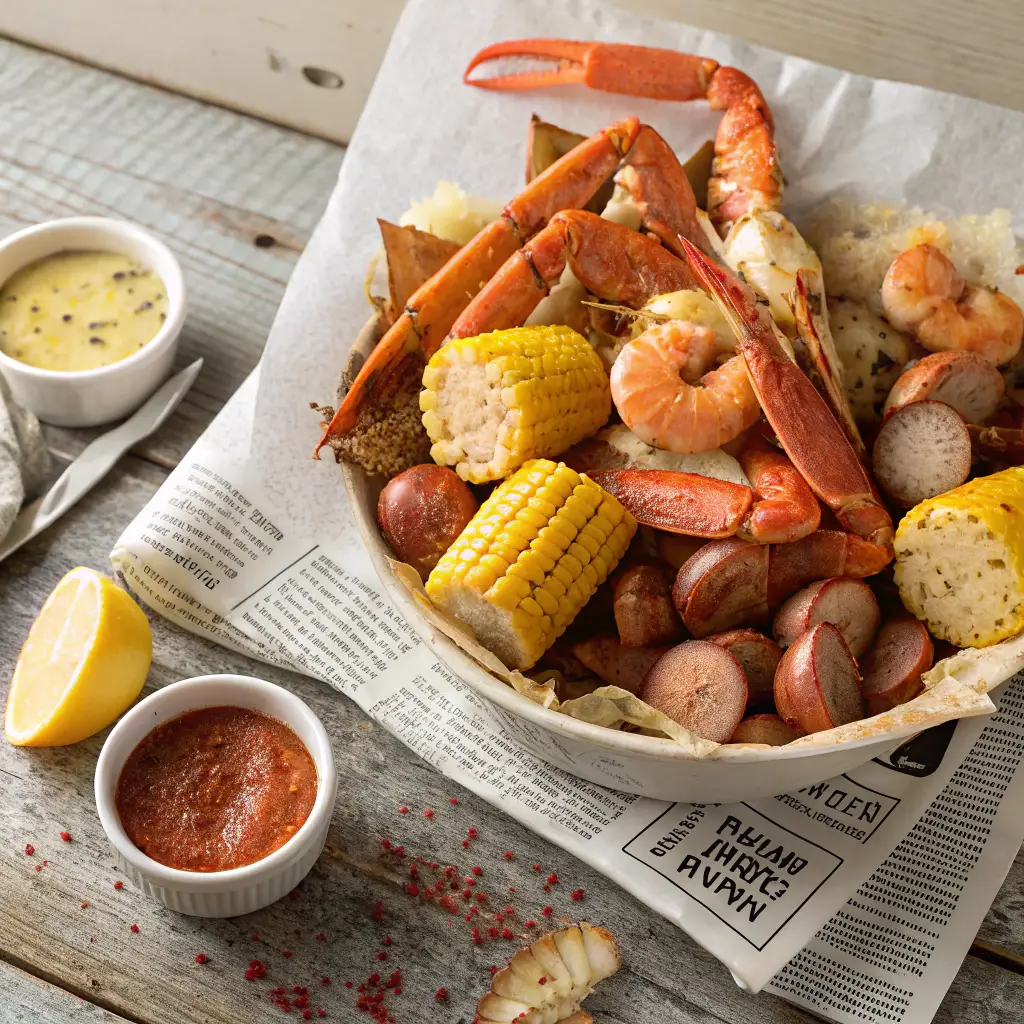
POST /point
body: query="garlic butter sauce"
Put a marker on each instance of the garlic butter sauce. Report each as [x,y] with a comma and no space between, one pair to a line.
[80,310]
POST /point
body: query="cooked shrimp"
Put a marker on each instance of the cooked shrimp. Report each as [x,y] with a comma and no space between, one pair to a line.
[666,394]
[923,293]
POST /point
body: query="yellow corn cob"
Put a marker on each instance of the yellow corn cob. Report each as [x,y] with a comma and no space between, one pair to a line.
[493,402]
[960,560]
[530,559]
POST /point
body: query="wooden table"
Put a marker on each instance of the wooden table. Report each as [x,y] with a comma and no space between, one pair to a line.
[236,199]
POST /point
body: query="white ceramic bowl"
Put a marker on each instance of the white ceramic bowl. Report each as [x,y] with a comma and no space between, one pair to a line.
[624,761]
[239,890]
[87,398]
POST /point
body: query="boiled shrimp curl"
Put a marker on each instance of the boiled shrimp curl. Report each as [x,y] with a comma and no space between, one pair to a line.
[666,391]
[925,295]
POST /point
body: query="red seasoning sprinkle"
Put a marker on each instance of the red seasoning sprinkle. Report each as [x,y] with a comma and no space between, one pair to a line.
[85,903]
[576,894]
[494,968]
[119,885]
[477,870]
[321,1012]
[536,867]
[493,932]
[546,912]
[453,801]
[412,889]
[135,929]
[66,836]
[382,955]
[386,941]
[254,938]
[403,809]
[506,933]
[399,851]
[307,1014]
[286,952]
[373,978]
[320,937]
[441,995]
[378,911]
[530,924]
[465,844]
[256,969]
[508,855]
[542,981]
[29,849]
[39,867]
[472,833]
[552,879]
[348,984]
[386,843]
[509,911]
[428,813]
[201,958]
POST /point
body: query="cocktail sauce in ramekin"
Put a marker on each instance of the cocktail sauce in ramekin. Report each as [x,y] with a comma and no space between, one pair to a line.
[215,789]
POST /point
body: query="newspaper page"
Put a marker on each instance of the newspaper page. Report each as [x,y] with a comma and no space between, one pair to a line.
[252,544]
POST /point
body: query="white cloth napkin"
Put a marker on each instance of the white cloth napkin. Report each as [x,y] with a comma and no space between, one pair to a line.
[24,458]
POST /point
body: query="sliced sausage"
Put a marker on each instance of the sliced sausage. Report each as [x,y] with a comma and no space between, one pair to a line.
[644,613]
[769,729]
[965,381]
[615,664]
[922,450]
[723,585]
[699,685]
[848,604]
[817,686]
[892,669]
[759,657]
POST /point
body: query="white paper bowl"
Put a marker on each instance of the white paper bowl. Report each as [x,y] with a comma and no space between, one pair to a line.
[87,398]
[239,890]
[624,761]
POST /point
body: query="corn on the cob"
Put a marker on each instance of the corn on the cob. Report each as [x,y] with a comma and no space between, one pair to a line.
[530,559]
[960,560]
[493,402]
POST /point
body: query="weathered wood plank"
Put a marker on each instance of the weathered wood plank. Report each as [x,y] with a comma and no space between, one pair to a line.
[27,998]
[152,976]
[1003,926]
[234,198]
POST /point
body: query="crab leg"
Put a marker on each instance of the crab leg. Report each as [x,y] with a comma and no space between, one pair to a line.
[746,174]
[432,309]
[784,508]
[803,423]
[611,261]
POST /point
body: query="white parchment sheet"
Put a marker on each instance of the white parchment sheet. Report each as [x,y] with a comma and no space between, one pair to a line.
[252,543]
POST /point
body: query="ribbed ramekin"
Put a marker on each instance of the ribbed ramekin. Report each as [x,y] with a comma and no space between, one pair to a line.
[239,890]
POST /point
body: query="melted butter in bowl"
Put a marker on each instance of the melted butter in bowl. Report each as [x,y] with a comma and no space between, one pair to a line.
[80,310]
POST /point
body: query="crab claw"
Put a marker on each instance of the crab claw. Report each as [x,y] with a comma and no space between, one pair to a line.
[611,67]
[698,506]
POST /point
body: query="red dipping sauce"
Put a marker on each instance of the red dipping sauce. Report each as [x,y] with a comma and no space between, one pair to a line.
[216,789]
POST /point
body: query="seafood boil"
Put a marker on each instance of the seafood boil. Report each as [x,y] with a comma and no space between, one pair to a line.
[634,442]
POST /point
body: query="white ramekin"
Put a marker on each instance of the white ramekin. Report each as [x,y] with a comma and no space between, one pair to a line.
[239,890]
[87,398]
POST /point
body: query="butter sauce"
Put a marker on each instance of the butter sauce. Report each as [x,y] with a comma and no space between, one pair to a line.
[80,310]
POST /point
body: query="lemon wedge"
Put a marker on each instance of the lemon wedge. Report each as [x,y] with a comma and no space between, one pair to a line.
[84,662]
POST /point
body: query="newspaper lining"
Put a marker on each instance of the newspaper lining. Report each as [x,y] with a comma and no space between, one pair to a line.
[253,546]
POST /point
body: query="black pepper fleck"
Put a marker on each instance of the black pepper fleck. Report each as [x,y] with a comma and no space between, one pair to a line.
[144,306]
[96,341]
[66,318]
[119,275]
[37,330]
[264,241]
[35,309]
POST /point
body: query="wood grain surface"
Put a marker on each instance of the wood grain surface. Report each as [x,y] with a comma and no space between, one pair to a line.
[75,140]
[249,54]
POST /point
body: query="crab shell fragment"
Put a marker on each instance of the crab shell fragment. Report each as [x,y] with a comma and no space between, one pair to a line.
[546,982]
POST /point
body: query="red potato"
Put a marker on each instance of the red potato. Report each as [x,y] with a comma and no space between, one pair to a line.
[848,604]
[644,613]
[699,685]
[422,511]
[892,670]
[615,664]
[722,585]
[965,381]
[769,729]
[817,686]
[922,450]
[759,658]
